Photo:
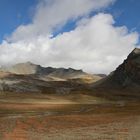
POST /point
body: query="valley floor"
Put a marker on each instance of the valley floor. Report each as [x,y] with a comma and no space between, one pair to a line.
[56,117]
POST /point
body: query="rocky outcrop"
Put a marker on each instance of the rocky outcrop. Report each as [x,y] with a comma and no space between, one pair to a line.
[129,72]
[127,75]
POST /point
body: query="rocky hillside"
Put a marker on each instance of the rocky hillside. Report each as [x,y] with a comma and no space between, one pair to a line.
[129,72]
[126,76]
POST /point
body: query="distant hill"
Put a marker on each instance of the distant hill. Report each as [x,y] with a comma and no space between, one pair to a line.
[27,69]
[48,73]
[29,77]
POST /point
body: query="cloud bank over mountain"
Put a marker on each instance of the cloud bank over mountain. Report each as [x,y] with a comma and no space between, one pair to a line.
[95,45]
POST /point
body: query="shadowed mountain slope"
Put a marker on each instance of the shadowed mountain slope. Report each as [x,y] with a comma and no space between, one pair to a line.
[126,76]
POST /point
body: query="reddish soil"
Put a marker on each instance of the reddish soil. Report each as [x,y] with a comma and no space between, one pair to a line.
[94,122]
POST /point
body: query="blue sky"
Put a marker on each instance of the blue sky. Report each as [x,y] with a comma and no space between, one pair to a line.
[126,12]
[16,12]
[13,13]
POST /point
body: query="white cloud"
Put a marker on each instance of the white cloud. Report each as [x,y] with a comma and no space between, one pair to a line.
[53,14]
[96,45]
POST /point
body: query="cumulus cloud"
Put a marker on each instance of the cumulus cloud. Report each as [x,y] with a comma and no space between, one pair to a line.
[96,45]
[51,15]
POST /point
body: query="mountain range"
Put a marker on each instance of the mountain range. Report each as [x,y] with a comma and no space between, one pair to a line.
[29,77]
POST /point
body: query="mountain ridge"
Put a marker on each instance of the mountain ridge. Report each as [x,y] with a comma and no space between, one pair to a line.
[29,77]
[126,76]
[31,68]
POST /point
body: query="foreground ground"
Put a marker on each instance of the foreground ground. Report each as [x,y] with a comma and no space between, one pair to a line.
[69,117]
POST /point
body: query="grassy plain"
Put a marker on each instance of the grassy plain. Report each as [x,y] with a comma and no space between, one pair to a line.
[67,117]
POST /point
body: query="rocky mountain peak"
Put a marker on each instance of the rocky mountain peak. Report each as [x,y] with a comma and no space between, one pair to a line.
[136,51]
[127,75]
[129,72]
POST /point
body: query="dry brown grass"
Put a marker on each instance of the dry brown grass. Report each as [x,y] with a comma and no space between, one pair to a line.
[34,119]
